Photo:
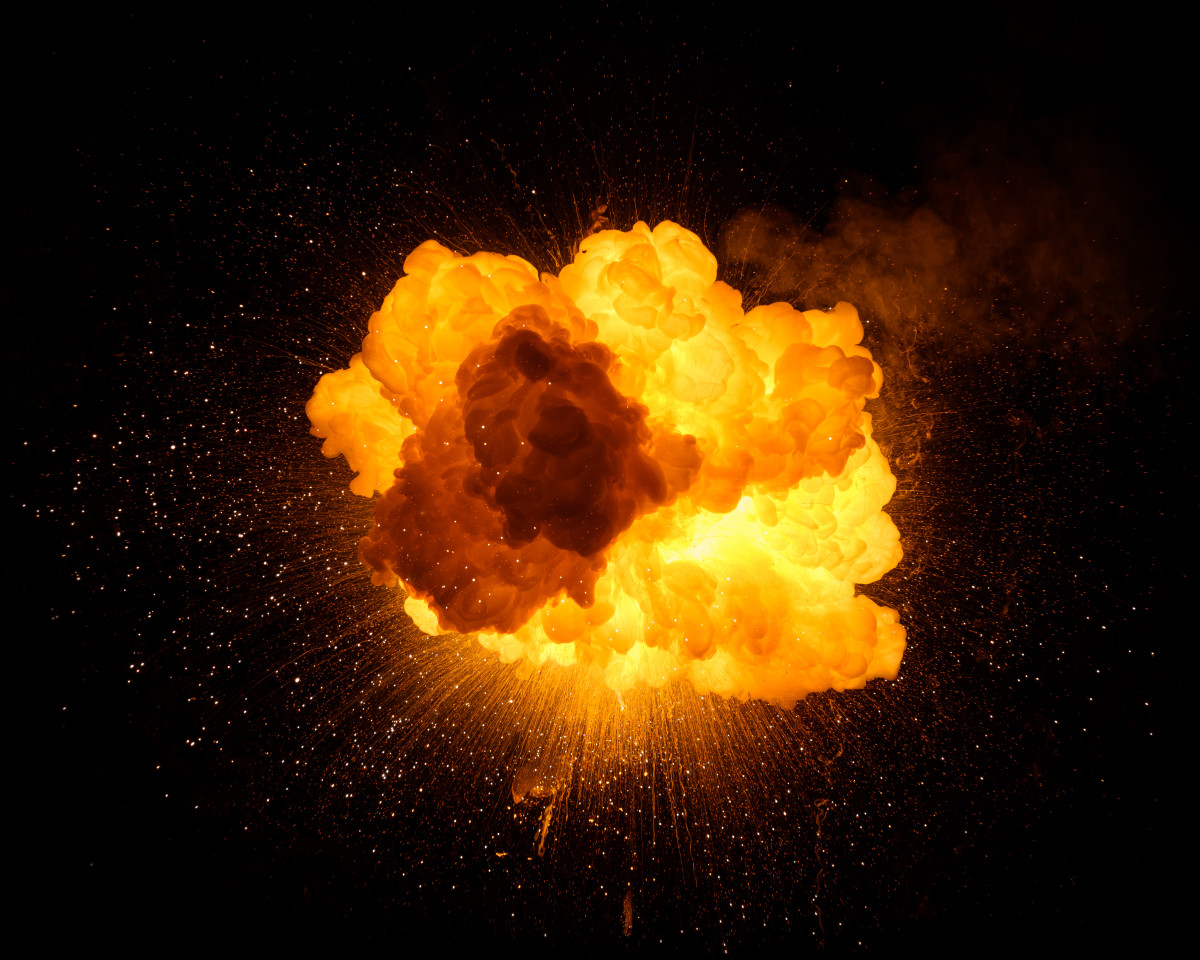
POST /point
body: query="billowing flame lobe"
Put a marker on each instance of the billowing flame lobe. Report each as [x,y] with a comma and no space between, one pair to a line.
[619,466]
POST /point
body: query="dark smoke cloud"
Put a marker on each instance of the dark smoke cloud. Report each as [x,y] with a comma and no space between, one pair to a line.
[513,495]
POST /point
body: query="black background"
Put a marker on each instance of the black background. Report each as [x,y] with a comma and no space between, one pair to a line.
[206,210]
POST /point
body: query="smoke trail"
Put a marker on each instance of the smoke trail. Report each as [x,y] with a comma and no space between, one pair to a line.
[1002,245]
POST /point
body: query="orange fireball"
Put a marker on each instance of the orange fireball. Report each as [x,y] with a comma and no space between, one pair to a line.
[618,466]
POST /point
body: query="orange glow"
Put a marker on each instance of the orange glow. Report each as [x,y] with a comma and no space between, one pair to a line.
[618,466]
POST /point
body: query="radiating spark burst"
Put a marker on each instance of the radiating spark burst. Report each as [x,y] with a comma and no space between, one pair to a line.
[617,466]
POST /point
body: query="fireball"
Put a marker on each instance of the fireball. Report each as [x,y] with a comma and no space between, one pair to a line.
[619,467]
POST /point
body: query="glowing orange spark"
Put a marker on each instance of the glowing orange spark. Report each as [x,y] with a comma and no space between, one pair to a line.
[618,466]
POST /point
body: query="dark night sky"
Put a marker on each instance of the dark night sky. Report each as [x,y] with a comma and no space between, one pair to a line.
[203,215]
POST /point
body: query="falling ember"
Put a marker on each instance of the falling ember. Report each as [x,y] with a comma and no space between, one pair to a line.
[618,466]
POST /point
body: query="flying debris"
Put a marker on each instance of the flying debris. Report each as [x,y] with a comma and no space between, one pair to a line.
[617,466]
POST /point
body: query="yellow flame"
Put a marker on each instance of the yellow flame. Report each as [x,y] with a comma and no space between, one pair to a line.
[743,583]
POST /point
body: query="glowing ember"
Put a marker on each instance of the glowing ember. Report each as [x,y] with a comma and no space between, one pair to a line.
[617,466]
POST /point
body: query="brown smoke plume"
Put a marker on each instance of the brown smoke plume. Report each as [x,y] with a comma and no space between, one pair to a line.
[511,497]
[1037,246]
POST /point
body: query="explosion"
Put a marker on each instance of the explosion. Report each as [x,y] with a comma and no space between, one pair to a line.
[618,466]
